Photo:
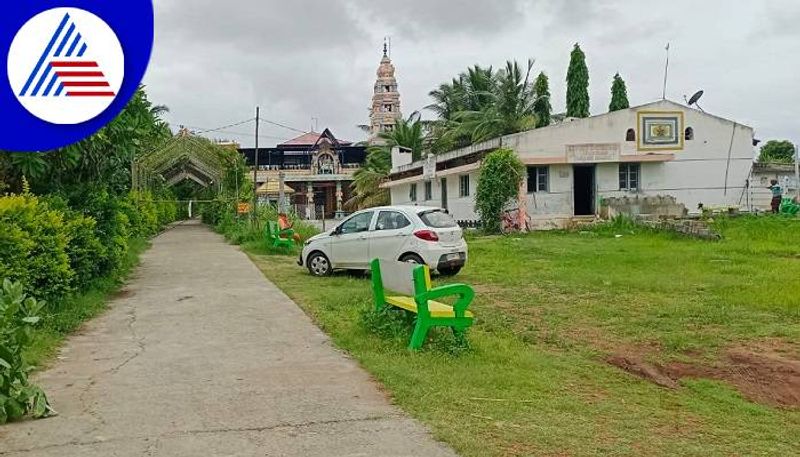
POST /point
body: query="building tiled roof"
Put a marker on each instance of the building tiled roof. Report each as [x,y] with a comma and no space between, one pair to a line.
[308,139]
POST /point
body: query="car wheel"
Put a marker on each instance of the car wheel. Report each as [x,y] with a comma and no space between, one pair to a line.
[319,265]
[412,258]
[449,271]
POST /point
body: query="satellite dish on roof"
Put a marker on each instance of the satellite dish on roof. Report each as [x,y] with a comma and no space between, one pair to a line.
[696,98]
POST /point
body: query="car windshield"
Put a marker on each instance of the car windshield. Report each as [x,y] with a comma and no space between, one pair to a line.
[438,219]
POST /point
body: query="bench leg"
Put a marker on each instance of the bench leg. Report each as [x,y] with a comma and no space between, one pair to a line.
[419,336]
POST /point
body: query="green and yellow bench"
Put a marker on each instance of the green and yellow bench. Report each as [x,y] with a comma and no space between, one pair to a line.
[276,236]
[789,207]
[408,286]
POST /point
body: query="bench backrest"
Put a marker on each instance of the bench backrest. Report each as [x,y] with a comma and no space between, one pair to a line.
[272,229]
[401,277]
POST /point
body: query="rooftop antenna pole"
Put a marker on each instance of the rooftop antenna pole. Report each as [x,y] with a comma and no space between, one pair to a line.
[666,74]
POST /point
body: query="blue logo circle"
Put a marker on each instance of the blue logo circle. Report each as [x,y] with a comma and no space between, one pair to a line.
[71,67]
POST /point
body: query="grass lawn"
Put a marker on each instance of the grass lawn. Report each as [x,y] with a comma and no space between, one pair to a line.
[75,310]
[553,308]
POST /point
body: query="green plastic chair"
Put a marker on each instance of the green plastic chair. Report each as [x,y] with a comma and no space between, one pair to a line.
[279,238]
[789,207]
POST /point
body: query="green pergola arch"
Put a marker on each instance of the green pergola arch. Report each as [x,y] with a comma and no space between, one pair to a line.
[183,157]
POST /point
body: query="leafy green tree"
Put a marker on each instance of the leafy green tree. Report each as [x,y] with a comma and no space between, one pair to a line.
[777,152]
[619,95]
[408,133]
[102,159]
[542,107]
[501,175]
[577,84]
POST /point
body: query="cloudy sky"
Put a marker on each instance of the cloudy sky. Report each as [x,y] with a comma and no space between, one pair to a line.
[307,61]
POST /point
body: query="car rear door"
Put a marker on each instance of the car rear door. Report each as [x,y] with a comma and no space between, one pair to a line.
[392,231]
[350,243]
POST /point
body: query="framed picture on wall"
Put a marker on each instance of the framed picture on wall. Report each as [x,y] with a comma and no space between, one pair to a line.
[660,130]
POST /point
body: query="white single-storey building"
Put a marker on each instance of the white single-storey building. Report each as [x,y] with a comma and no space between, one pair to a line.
[650,159]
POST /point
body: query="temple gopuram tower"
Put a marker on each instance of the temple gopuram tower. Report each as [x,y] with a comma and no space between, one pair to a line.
[385,110]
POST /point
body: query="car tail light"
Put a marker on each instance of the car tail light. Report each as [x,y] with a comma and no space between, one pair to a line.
[427,235]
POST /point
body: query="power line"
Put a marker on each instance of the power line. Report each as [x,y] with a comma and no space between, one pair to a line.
[200,130]
[278,124]
[226,126]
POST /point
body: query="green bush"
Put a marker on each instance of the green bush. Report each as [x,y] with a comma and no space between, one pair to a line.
[33,246]
[83,248]
[18,315]
[113,225]
[499,182]
[142,214]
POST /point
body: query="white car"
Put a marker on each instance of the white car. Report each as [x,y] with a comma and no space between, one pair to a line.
[423,235]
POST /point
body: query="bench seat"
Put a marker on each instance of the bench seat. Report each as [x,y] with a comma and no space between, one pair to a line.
[436,309]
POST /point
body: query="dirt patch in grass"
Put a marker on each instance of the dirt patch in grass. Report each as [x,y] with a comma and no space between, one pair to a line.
[766,373]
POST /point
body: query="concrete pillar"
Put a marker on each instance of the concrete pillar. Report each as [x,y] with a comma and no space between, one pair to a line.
[339,198]
[310,208]
[522,201]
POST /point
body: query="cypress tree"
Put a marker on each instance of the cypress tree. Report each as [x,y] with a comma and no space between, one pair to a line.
[619,95]
[542,107]
[577,84]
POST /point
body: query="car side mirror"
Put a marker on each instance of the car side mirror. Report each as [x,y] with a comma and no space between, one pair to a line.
[337,231]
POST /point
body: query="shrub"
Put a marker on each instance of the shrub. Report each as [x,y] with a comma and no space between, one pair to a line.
[499,182]
[142,214]
[33,246]
[83,248]
[113,225]
[18,315]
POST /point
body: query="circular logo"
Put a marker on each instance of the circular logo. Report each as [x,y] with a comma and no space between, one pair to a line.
[72,66]
[66,66]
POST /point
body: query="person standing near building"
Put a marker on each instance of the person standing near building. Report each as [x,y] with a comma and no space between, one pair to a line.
[777,194]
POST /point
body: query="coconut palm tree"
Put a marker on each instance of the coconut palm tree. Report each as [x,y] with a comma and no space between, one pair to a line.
[482,104]
[408,133]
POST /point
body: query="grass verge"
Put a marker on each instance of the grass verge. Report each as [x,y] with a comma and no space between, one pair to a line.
[77,309]
[552,307]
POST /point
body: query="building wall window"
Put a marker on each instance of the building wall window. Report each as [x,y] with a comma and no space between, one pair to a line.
[428,191]
[630,135]
[629,176]
[689,134]
[538,179]
[463,186]
[412,193]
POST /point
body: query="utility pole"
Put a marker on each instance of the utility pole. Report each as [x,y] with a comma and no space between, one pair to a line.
[255,169]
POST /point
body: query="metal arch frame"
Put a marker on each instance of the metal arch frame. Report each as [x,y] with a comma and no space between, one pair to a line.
[179,158]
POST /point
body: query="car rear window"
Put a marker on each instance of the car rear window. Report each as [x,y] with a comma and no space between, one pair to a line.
[438,219]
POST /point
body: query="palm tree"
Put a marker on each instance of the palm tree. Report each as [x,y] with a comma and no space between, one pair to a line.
[408,133]
[483,104]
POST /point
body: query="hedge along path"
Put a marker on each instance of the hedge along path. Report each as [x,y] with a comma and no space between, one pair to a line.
[201,355]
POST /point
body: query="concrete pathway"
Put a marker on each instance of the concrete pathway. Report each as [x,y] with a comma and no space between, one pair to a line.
[202,356]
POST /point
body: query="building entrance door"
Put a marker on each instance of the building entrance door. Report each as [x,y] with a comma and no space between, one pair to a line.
[584,189]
